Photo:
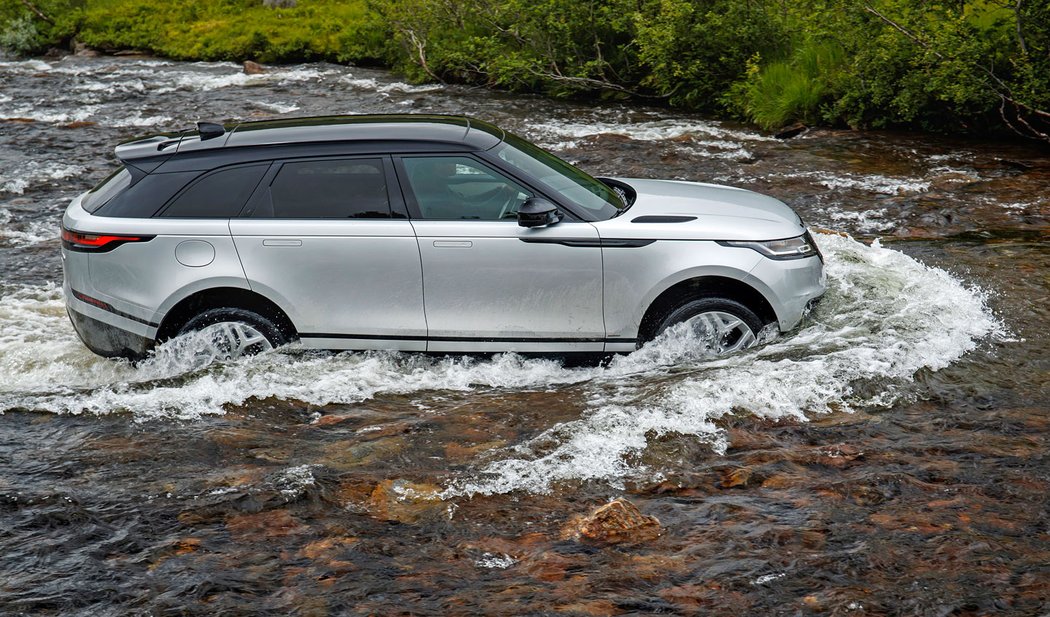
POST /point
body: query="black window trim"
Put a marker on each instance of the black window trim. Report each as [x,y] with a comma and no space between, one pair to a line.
[487,161]
[396,202]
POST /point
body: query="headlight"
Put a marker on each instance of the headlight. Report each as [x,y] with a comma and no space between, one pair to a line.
[789,248]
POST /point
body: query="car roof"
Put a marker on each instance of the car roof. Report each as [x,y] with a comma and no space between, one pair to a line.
[461,131]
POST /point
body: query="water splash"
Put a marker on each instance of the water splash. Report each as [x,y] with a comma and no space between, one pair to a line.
[885,317]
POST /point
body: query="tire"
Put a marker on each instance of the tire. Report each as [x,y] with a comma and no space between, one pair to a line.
[244,332]
[727,325]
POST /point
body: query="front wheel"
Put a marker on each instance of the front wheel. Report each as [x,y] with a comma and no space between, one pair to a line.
[722,324]
[233,333]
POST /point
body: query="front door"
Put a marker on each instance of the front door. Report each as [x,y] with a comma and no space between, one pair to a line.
[490,284]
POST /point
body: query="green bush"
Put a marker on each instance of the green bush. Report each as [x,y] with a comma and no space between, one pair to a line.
[952,66]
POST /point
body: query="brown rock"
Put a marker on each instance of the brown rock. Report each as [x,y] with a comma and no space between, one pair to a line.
[403,501]
[253,68]
[79,124]
[324,547]
[791,131]
[739,476]
[615,522]
[270,524]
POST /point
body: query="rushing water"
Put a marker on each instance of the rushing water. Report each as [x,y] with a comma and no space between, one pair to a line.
[888,457]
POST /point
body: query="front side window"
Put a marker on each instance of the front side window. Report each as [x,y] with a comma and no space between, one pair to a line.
[461,188]
[572,183]
[329,189]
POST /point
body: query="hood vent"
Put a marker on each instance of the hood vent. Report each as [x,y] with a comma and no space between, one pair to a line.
[663,219]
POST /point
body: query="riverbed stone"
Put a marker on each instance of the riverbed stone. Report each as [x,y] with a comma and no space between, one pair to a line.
[404,501]
[253,68]
[618,521]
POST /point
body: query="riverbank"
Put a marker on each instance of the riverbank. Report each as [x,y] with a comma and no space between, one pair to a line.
[968,68]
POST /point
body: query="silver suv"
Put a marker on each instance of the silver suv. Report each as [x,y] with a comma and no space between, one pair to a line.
[417,233]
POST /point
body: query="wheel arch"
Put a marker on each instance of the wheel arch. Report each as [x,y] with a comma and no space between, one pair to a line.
[700,287]
[223,297]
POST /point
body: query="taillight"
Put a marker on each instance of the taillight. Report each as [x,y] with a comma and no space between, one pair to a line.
[97,243]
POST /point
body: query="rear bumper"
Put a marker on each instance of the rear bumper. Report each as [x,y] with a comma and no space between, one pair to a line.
[108,340]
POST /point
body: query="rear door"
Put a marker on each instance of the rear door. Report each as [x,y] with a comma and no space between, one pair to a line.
[328,241]
[490,284]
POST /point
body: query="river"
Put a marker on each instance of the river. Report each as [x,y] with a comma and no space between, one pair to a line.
[889,457]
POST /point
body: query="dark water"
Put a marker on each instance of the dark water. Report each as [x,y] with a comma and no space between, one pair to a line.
[888,458]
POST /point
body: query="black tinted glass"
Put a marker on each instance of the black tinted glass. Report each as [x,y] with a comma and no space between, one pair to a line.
[220,194]
[107,189]
[147,195]
[352,188]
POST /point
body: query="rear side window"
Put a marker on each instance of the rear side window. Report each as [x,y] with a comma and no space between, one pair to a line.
[329,189]
[147,195]
[220,194]
[107,189]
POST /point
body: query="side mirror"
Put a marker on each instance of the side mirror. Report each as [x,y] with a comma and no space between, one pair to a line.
[537,212]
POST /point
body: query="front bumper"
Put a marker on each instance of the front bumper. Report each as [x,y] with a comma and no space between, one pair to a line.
[790,286]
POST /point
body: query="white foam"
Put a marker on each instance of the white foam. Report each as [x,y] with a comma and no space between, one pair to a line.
[373,85]
[491,561]
[31,173]
[20,233]
[649,130]
[886,316]
[866,221]
[32,112]
[137,119]
[279,108]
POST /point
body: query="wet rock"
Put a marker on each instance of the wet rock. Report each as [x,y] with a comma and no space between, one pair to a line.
[791,131]
[349,454]
[837,455]
[253,68]
[269,524]
[615,522]
[320,549]
[459,453]
[82,50]
[739,477]
[79,124]
[404,501]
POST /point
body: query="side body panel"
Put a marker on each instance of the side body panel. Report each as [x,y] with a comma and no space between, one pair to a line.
[487,289]
[345,284]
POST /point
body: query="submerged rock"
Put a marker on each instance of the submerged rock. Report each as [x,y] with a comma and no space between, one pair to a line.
[253,68]
[403,501]
[616,522]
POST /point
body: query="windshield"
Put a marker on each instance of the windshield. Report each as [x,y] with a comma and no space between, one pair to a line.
[574,185]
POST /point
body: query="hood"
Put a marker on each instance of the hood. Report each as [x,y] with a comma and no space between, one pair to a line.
[721,213]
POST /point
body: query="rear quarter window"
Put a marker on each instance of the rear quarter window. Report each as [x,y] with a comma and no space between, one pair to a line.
[145,197]
[219,194]
[107,189]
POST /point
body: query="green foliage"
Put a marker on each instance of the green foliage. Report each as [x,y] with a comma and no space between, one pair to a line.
[938,65]
[222,30]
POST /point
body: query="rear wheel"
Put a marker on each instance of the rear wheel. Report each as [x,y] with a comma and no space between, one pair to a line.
[233,333]
[723,324]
